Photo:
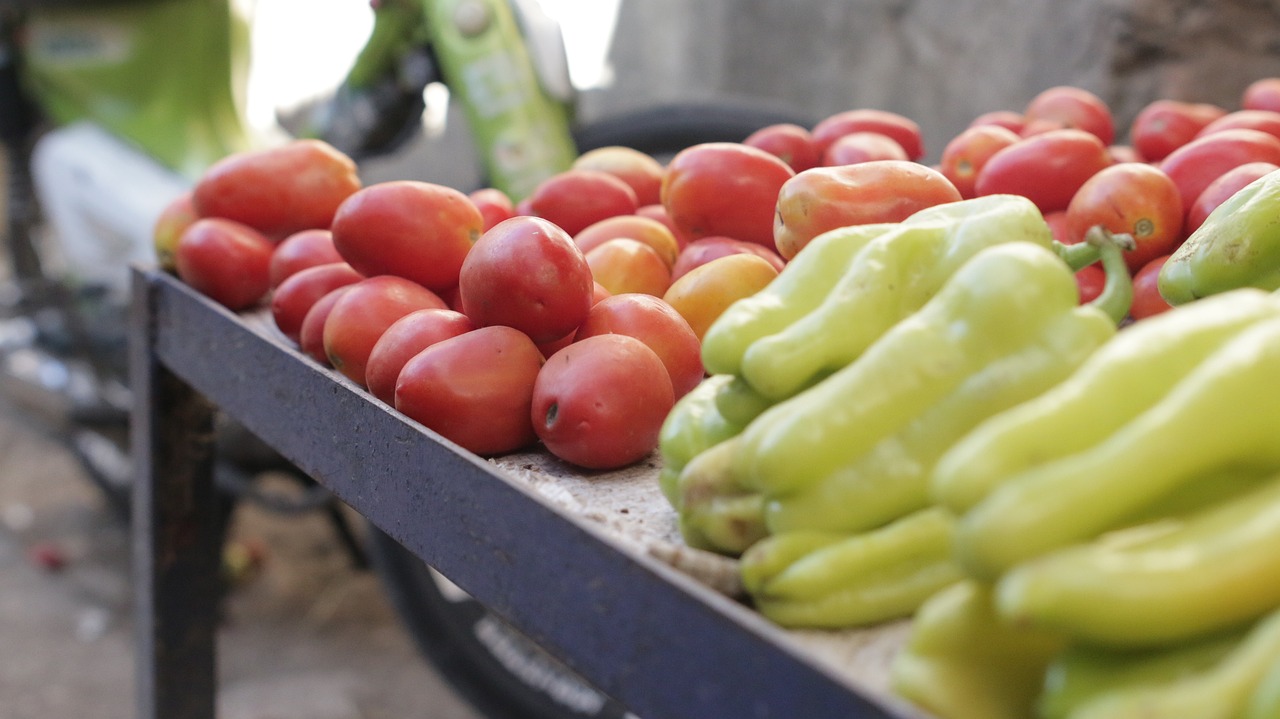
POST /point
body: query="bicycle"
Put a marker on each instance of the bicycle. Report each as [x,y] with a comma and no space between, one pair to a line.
[520,116]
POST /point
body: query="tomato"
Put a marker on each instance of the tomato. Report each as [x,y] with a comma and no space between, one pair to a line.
[278,190]
[1130,198]
[789,142]
[1046,168]
[968,151]
[862,147]
[363,313]
[625,265]
[902,129]
[526,273]
[1073,107]
[700,252]
[1146,294]
[635,227]
[658,325]
[311,335]
[1267,121]
[417,230]
[1203,160]
[291,301]
[581,416]
[494,205]
[174,217]
[405,338]
[574,199]
[705,292]
[1090,280]
[1163,126]
[225,260]
[301,250]
[1057,222]
[640,171]
[1124,153]
[1008,119]
[824,198]
[1227,184]
[475,390]
[1262,94]
[724,188]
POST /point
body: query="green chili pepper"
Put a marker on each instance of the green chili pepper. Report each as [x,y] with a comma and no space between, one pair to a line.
[715,512]
[1264,703]
[738,402]
[1124,377]
[1238,245]
[693,426]
[830,580]
[961,661]
[1219,416]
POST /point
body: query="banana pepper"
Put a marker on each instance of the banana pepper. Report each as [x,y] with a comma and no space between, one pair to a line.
[714,511]
[693,426]
[1238,245]
[1218,417]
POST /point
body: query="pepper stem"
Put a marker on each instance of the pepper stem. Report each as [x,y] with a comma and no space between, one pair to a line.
[1117,292]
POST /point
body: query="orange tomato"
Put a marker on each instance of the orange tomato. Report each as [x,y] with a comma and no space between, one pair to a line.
[705,292]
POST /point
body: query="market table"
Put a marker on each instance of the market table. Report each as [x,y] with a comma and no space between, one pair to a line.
[587,565]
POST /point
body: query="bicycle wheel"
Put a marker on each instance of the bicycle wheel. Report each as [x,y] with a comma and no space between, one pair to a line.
[501,672]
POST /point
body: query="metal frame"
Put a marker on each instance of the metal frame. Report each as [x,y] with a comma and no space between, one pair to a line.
[660,642]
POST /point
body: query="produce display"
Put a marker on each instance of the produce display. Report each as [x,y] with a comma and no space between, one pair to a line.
[1021,398]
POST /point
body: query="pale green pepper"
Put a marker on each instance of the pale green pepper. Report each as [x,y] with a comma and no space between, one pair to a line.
[693,426]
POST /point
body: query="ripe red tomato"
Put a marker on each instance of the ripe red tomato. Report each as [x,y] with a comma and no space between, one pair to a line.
[724,188]
[659,213]
[658,325]
[1217,192]
[862,147]
[278,190]
[1130,198]
[1146,292]
[789,142]
[640,171]
[1203,160]
[635,227]
[1163,126]
[1075,107]
[494,205]
[1262,94]
[528,274]
[308,248]
[581,416]
[225,260]
[311,336]
[824,198]
[417,230]
[405,338]
[966,153]
[291,301]
[700,252]
[902,129]
[574,199]
[625,265]
[475,390]
[1267,121]
[1090,280]
[1046,168]
[1008,119]
[173,219]
[363,313]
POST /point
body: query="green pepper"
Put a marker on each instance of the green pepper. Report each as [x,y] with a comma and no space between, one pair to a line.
[961,661]
[1123,378]
[1009,300]
[715,512]
[1237,245]
[808,579]
[1218,417]
[889,279]
[694,425]
[1264,702]
[796,291]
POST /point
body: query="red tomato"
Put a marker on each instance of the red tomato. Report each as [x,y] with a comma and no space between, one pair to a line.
[1267,121]
[644,229]
[1073,107]
[405,338]
[475,390]
[526,273]
[1146,294]
[581,416]
[494,205]
[363,313]
[862,147]
[1046,168]
[173,219]
[724,188]
[308,248]
[294,297]
[1262,94]
[902,129]
[824,198]
[968,151]
[700,252]
[1124,153]
[1090,280]
[787,141]
[1130,198]
[624,265]
[655,323]
[278,190]
[225,260]
[1163,126]
[1203,160]
[311,336]
[1008,119]
[420,231]
[641,172]
[574,199]
[1217,192]
[1057,222]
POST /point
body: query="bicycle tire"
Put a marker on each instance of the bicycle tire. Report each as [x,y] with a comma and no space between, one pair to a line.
[454,632]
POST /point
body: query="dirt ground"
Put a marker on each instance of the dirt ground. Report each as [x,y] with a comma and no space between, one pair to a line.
[306,634]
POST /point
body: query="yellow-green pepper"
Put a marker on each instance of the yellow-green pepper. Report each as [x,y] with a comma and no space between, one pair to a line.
[714,511]
[693,425]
